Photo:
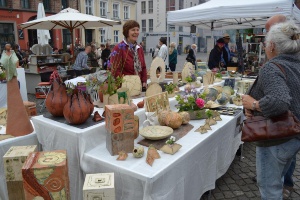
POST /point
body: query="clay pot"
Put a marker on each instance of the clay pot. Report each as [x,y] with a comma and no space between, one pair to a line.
[77,110]
[90,101]
[57,99]
[100,91]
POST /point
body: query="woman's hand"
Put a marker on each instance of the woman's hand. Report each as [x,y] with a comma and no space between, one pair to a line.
[248,113]
[144,85]
[247,101]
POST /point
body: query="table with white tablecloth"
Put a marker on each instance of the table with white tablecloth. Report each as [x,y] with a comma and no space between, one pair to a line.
[30,139]
[186,175]
[85,145]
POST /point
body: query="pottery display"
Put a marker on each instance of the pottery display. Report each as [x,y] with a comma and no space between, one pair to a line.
[78,108]
[173,120]
[156,132]
[157,63]
[223,98]
[57,99]
[151,119]
[123,96]
[133,83]
[152,154]
[171,148]
[138,152]
[162,116]
[97,117]
[122,155]
[140,104]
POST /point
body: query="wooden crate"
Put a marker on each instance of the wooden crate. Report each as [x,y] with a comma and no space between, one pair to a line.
[13,161]
[45,174]
[99,186]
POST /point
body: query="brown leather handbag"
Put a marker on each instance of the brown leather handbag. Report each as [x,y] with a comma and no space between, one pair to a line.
[259,128]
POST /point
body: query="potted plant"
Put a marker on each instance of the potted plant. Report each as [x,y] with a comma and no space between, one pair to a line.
[170,88]
[193,103]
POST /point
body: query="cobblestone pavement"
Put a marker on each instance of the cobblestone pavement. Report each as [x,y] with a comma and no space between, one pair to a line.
[237,183]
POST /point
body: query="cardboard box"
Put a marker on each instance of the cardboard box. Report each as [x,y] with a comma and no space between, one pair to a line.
[3,116]
[99,186]
[13,161]
[30,108]
[119,118]
[45,174]
[116,142]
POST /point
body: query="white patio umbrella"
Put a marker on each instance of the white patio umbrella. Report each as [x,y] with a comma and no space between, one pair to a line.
[69,19]
[42,34]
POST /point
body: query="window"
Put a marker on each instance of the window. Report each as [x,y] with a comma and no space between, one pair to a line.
[181,2]
[116,36]
[191,4]
[180,29]
[47,5]
[143,25]
[102,36]
[126,12]
[2,3]
[25,4]
[171,27]
[143,7]
[116,11]
[6,34]
[103,9]
[150,25]
[66,37]
[64,4]
[170,5]
[88,7]
[150,5]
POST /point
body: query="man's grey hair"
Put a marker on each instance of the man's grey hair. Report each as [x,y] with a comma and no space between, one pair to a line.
[285,36]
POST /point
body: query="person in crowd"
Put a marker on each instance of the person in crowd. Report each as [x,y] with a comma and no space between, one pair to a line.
[215,55]
[194,48]
[92,57]
[172,56]
[128,57]
[105,56]
[142,44]
[155,52]
[179,49]
[55,51]
[19,54]
[99,52]
[81,61]
[191,55]
[227,54]
[275,93]
[163,51]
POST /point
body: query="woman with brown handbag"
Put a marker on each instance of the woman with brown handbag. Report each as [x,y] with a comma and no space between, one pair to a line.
[276,92]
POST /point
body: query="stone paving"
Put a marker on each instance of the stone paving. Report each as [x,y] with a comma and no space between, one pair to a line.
[237,183]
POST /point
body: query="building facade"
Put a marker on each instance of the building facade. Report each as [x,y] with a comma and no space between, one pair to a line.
[13,13]
[153,20]
[119,10]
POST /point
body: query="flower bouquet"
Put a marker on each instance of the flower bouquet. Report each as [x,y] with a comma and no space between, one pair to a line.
[193,103]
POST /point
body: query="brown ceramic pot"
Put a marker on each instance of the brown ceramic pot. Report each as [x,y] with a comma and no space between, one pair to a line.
[57,99]
[101,90]
[77,110]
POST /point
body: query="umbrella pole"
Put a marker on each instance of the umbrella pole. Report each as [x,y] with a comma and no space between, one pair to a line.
[72,40]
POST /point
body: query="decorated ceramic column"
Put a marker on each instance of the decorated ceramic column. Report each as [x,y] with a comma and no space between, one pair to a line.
[18,123]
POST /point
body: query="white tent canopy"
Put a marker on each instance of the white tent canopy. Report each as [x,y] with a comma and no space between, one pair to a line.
[230,14]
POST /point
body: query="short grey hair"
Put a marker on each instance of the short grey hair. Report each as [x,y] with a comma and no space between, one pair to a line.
[285,36]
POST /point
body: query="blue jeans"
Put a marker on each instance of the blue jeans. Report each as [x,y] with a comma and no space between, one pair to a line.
[272,163]
[288,177]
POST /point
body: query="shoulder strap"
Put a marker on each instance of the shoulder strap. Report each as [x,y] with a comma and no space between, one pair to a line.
[280,67]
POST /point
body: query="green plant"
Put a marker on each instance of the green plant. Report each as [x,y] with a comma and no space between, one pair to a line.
[190,102]
[171,140]
[209,113]
[2,74]
[170,87]
[218,75]
[191,78]
[112,84]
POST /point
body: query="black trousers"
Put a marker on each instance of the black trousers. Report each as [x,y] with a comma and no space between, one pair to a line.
[172,67]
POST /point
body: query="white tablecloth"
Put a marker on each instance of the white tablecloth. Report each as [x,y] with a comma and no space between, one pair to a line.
[54,135]
[30,139]
[186,175]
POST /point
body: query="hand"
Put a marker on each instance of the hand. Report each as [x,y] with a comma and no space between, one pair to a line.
[248,113]
[247,101]
[145,85]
